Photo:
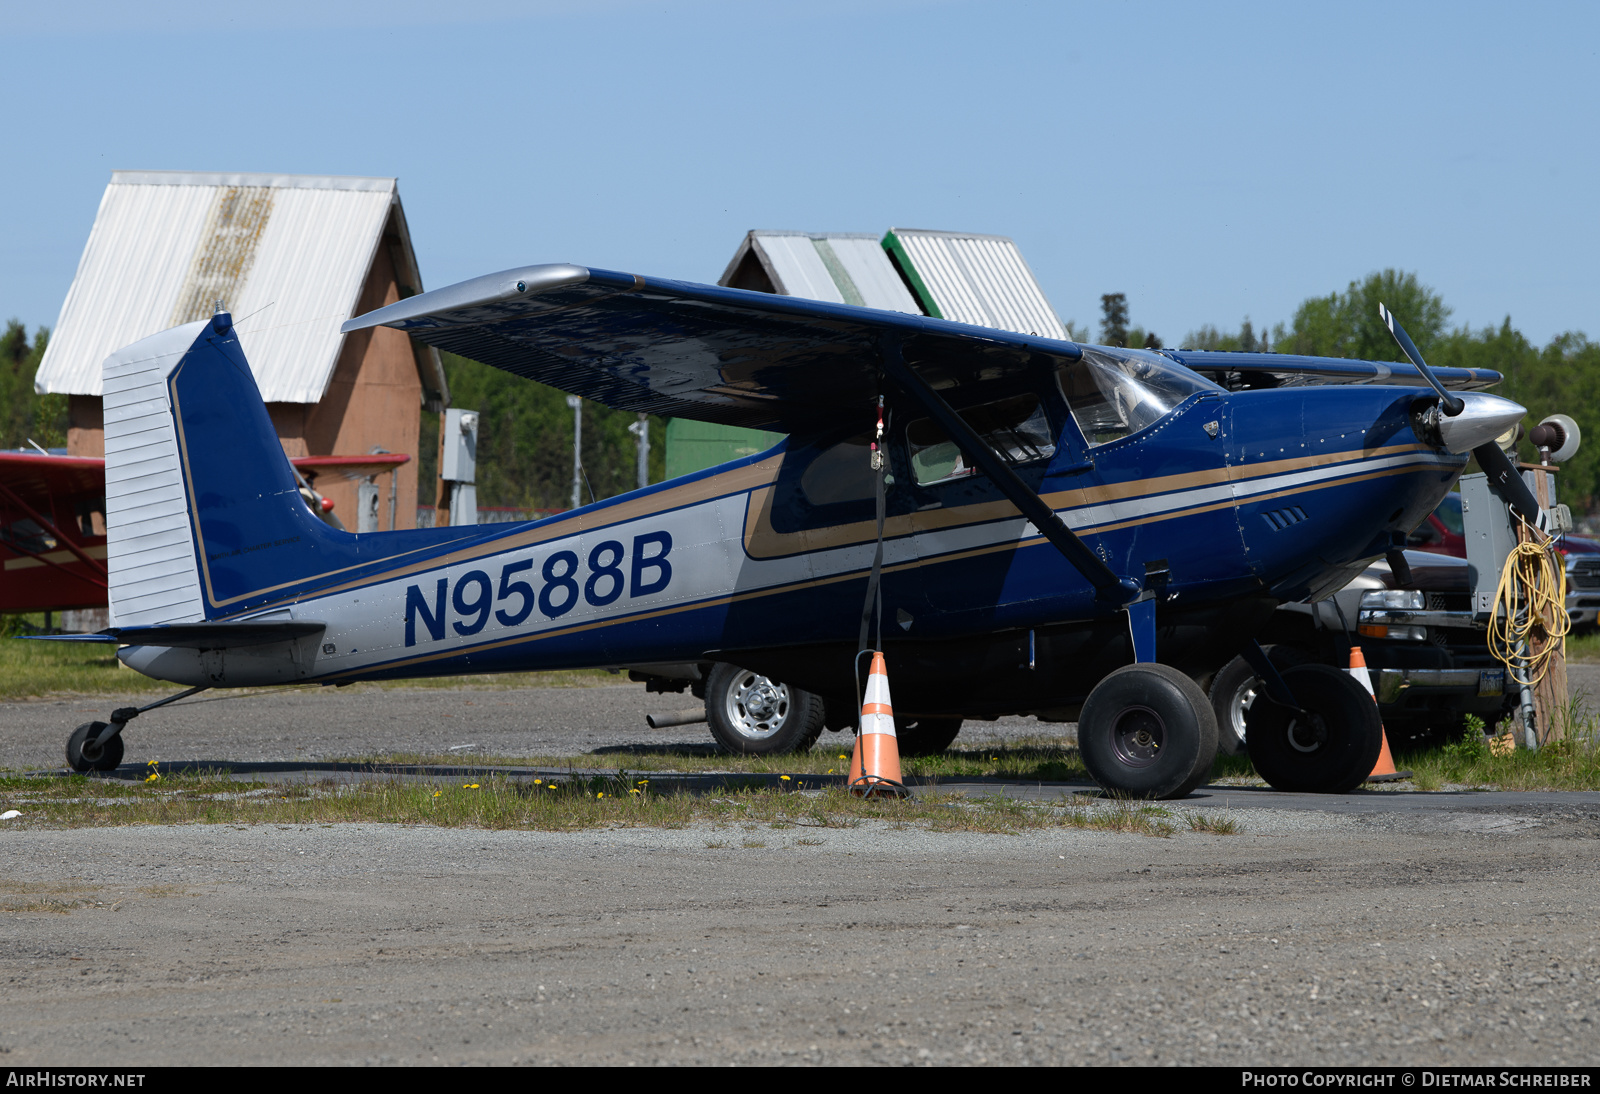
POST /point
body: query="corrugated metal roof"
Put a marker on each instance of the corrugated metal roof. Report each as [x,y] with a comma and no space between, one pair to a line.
[974,279]
[287,255]
[839,267]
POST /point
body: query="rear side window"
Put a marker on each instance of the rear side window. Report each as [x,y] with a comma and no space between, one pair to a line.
[1016,428]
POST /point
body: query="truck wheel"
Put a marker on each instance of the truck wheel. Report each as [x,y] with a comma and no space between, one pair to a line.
[751,714]
[1330,747]
[926,736]
[1234,688]
[1147,731]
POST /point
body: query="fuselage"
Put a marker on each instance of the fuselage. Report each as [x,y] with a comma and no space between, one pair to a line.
[1226,505]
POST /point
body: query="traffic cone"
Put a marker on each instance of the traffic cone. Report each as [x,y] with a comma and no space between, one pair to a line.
[875,763]
[1383,771]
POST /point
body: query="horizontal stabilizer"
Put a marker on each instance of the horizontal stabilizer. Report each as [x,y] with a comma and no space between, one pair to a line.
[217,636]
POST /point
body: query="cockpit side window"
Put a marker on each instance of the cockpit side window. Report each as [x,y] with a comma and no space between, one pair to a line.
[1115,392]
[841,472]
[1017,428]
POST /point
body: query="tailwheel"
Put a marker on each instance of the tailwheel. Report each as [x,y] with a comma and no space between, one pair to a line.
[1328,746]
[1147,731]
[85,752]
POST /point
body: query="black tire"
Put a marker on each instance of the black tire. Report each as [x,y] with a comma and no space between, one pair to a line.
[105,758]
[755,716]
[1329,750]
[1234,688]
[1147,731]
[926,736]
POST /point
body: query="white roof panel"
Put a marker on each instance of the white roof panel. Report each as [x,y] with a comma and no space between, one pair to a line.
[839,267]
[796,268]
[977,279]
[287,255]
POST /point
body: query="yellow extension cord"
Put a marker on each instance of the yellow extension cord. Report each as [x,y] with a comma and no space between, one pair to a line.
[1533,585]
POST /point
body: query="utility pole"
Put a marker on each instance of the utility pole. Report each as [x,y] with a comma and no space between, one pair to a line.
[577,449]
[641,430]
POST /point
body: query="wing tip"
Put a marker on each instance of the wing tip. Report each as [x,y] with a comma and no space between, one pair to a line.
[476,292]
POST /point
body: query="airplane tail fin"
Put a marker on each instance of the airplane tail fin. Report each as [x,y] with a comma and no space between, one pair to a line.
[203,513]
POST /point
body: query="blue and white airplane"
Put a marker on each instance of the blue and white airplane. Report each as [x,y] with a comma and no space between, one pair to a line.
[1055,527]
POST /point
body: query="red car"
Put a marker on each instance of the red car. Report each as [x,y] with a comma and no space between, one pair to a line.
[1442,533]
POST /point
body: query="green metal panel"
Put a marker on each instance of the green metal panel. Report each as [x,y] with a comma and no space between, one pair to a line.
[695,446]
[908,270]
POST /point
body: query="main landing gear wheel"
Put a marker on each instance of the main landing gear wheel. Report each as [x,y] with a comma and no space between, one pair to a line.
[1329,747]
[751,714]
[926,736]
[85,757]
[1147,731]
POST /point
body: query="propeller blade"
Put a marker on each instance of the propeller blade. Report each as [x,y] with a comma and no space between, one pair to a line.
[1449,403]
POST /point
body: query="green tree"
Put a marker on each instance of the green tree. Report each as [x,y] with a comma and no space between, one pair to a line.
[1114,319]
[1347,325]
[525,441]
[1243,340]
[24,415]
[1114,330]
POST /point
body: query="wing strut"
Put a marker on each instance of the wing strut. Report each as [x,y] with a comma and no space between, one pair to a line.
[1109,587]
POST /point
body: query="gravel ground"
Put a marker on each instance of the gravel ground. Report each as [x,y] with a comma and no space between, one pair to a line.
[1457,934]
[1308,939]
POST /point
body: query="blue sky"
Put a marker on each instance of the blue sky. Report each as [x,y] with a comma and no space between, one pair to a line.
[1212,161]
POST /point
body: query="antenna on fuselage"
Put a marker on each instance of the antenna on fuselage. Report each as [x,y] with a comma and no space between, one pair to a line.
[1450,404]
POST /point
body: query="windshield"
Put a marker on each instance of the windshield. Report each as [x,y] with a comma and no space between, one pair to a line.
[1115,392]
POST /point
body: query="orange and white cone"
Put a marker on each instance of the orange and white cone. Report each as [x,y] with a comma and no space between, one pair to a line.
[1383,770]
[875,764]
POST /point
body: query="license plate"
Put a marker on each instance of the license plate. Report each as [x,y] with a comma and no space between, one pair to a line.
[1492,683]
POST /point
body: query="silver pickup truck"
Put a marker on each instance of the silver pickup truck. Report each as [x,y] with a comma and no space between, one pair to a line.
[1429,659]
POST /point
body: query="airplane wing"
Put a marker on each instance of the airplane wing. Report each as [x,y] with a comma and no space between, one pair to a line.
[1257,370]
[37,478]
[698,351]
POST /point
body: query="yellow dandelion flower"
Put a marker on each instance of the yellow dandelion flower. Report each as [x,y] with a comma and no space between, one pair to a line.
[633,791]
[536,782]
[785,778]
[842,756]
[599,795]
[830,771]
[436,793]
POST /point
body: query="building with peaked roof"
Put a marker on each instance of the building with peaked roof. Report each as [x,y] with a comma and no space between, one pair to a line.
[840,267]
[968,278]
[292,257]
[983,280]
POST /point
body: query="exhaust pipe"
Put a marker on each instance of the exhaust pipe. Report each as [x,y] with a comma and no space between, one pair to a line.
[681,718]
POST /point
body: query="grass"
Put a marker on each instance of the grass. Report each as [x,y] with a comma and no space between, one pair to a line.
[1584,647]
[29,669]
[1041,758]
[562,805]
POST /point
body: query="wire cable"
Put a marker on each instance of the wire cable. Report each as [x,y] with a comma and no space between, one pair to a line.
[1529,623]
